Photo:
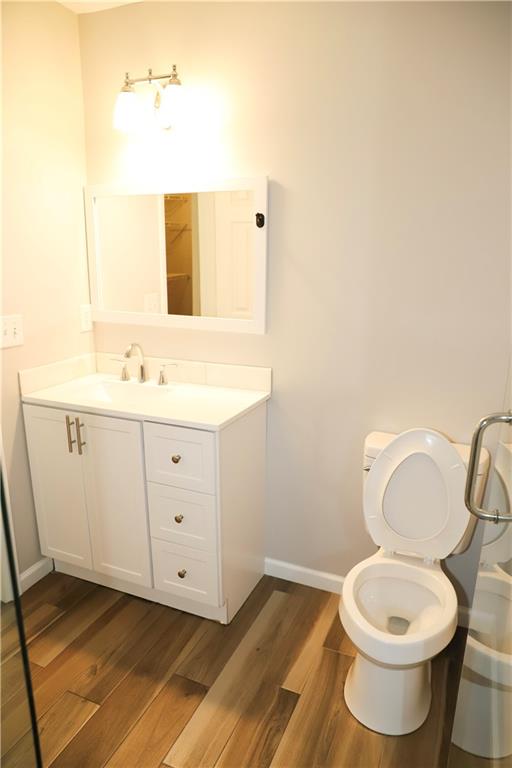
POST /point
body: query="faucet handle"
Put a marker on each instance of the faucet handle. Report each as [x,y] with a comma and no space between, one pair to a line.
[162,378]
[125,376]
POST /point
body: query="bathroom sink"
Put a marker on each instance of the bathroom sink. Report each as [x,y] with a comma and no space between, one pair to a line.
[193,405]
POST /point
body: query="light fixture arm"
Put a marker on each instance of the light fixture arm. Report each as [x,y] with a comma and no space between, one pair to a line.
[172,77]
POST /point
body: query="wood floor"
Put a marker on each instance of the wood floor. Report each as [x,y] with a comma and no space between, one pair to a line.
[458,758]
[124,683]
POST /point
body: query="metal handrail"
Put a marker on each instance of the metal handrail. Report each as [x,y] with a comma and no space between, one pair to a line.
[494,516]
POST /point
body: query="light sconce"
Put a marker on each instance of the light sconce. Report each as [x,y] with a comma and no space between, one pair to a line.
[132,112]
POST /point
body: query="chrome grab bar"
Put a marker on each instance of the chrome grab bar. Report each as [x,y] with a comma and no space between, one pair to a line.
[494,515]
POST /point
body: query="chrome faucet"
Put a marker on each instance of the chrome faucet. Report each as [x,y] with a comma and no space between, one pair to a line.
[137,349]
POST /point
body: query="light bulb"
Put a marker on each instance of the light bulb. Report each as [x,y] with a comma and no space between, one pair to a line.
[125,111]
[147,95]
[168,108]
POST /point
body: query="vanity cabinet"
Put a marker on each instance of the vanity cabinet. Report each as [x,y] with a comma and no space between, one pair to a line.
[170,513]
[89,491]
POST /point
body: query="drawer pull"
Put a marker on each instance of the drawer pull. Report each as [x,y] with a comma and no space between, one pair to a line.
[182,573]
[176,458]
[178,518]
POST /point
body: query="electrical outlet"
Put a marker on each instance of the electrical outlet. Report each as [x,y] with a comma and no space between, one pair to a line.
[11,331]
[85,318]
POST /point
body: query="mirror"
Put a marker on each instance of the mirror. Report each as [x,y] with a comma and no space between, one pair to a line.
[183,258]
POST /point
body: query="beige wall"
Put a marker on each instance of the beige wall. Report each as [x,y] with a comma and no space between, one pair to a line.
[384,130]
[43,266]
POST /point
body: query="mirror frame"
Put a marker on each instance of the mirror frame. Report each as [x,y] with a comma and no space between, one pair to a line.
[259,187]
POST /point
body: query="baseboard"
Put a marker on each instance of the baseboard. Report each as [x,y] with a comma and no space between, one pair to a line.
[311,578]
[35,573]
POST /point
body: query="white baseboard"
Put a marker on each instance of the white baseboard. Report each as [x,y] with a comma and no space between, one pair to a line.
[311,578]
[35,573]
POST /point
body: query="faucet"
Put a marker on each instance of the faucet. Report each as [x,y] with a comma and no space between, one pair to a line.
[125,376]
[162,379]
[137,349]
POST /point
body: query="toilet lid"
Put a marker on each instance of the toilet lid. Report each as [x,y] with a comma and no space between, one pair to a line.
[497,539]
[414,495]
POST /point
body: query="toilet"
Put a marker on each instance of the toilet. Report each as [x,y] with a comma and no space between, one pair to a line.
[397,606]
[486,682]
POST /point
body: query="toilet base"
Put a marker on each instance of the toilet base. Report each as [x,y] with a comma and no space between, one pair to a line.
[389,700]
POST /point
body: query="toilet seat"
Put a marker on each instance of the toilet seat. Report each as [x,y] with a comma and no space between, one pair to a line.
[378,584]
[403,513]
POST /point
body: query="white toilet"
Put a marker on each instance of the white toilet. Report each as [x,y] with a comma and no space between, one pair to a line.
[398,607]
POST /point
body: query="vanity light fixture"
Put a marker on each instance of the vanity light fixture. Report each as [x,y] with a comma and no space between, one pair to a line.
[129,109]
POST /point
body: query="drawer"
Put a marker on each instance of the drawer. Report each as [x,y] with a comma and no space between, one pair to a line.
[184,517]
[199,575]
[181,457]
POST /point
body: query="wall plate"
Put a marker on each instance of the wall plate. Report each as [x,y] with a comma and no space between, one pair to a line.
[12,331]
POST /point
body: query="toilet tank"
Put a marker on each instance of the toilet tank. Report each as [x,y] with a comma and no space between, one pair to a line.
[376,442]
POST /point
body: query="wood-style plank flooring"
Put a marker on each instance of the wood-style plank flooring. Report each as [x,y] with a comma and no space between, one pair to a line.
[124,683]
[458,758]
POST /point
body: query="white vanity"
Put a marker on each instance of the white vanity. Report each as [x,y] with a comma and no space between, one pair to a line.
[154,490]
[157,489]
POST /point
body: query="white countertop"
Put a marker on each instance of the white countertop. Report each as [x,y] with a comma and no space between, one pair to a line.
[186,405]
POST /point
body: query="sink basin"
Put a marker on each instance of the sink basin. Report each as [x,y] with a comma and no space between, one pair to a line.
[192,405]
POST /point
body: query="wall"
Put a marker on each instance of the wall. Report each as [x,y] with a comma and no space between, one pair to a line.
[384,130]
[127,227]
[43,267]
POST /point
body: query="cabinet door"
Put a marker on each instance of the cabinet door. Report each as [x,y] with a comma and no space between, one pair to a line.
[57,484]
[113,466]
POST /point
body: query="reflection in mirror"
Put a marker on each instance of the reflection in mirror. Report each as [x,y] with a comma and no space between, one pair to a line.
[481,734]
[19,736]
[497,540]
[178,254]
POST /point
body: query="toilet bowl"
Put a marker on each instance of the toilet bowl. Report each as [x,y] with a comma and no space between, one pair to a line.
[399,614]
[398,607]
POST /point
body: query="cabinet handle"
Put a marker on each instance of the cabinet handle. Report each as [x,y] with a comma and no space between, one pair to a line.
[178,518]
[176,458]
[68,432]
[81,442]
[182,573]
